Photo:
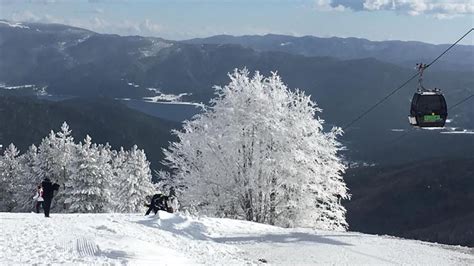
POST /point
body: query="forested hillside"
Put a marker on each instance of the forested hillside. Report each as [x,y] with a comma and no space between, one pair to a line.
[26,121]
[428,200]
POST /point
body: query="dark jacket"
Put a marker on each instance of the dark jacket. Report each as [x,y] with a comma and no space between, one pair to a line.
[48,188]
[159,201]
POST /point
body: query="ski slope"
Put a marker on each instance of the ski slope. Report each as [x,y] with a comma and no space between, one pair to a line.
[176,240]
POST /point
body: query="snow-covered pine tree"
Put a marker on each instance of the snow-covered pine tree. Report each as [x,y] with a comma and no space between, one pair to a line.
[118,159]
[85,172]
[105,161]
[28,181]
[55,161]
[134,180]
[46,164]
[260,153]
[87,188]
[10,172]
[64,152]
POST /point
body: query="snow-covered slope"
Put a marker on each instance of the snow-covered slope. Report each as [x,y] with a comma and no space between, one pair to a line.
[174,239]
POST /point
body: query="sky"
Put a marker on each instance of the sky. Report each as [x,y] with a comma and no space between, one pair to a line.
[432,21]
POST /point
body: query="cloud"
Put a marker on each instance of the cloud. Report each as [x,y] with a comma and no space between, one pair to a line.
[98,11]
[9,2]
[356,5]
[329,5]
[437,8]
[29,16]
[44,2]
[145,27]
[124,27]
[148,25]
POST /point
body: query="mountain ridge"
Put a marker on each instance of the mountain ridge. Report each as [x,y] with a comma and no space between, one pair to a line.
[403,53]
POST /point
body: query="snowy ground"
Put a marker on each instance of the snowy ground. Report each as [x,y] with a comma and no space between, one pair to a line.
[133,239]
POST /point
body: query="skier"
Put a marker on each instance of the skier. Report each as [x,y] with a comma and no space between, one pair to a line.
[39,198]
[158,202]
[48,193]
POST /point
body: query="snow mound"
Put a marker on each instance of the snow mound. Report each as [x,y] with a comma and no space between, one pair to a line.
[172,239]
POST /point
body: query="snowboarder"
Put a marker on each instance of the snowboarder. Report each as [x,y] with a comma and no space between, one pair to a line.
[39,200]
[48,193]
[158,202]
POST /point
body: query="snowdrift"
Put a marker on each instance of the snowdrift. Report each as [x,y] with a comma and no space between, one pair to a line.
[171,239]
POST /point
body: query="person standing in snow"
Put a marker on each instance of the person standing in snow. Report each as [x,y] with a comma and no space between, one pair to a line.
[173,201]
[39,198]
[48,193]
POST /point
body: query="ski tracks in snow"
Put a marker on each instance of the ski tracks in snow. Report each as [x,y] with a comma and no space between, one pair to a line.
[34,239]
[132,239]
[109,238]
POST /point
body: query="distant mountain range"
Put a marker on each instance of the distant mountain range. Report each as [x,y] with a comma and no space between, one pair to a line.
[403,53]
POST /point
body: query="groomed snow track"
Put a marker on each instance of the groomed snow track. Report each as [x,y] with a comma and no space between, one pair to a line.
[133,239]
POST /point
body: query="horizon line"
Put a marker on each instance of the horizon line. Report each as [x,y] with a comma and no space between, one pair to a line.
[231,35]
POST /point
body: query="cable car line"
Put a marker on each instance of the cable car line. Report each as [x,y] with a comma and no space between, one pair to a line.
[379,102]
[449,48]
[403,84]
[460,102]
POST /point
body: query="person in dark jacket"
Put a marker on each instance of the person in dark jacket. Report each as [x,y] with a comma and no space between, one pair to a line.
[48,193]
[158,202]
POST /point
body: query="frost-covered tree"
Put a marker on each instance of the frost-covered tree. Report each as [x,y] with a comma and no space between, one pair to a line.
[93,178]
[164,181]
[133,180]
[46,164]
[55,155]
[105,162]
[28,181]
[55,158]
[118,173]
[87,187]
[10,173]
[260,153]
[64,151]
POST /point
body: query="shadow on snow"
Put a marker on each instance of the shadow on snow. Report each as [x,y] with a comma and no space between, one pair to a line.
[181,226]
[291,237]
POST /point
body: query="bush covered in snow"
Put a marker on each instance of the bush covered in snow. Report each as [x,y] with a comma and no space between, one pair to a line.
[260,153]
